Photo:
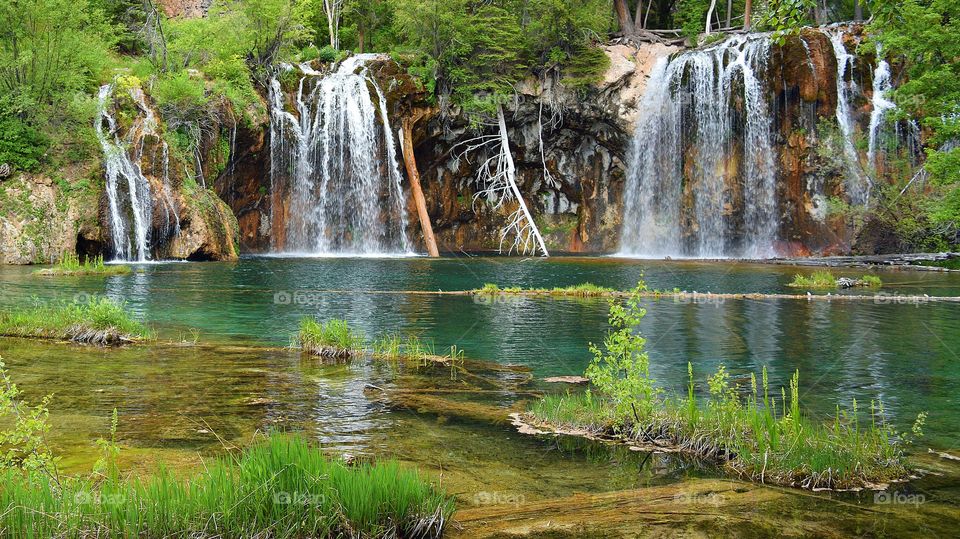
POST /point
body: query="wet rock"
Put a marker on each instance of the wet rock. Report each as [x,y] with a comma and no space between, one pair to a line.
[40,219]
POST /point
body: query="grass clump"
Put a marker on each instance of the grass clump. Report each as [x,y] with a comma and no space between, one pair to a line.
[280,487]
[99,321]
[493,289]
[819,279]
[825,280]
[70,264]
[331,339]
[408,349]
[763,436]
[583,290]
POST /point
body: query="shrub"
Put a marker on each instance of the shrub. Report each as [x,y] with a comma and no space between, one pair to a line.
[21,145]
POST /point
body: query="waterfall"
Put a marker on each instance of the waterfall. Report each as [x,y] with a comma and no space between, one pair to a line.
[335,160]
[684,179]
[129,194]
[882,86]
[857,185]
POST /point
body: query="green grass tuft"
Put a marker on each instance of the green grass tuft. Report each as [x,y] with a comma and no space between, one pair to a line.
[825,280]
[70,264]
[821,279]
[332,339]
[100,321]
[280,487]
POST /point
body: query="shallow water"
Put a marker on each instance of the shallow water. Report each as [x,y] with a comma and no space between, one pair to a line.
[178,404]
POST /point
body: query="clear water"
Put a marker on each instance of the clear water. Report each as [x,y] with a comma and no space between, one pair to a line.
[181,403]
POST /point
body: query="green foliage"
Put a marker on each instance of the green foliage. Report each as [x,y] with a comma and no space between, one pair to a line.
[785,17]
[23,439]
[280,486]
[621,369]
[21,145]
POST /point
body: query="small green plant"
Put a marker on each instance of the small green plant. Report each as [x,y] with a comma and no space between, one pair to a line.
[23,442]
[332,339]
[871,281]
[621,369]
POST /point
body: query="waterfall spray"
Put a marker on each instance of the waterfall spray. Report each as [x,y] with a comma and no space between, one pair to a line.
[129,194]
[697,107]
[336,159]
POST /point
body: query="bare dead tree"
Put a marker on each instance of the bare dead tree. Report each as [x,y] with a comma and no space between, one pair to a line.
[497,175]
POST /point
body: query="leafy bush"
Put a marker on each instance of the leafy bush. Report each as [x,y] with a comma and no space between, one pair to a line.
[21,145]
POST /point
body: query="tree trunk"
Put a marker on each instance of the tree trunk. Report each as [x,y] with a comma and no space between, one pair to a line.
[410,161]
[729,13]
[713,6]
[638,15]
[857,11]
[747,12]
[623,16]
[512,180]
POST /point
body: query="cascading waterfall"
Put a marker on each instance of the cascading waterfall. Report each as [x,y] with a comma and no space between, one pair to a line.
[698,107]
[129,194]
[857,184]
[336,160]
[882,86]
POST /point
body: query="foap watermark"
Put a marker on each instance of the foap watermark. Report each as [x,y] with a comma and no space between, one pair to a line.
[305,499]
[898,498]
[707,498]
[885,298]
[499,498]
[86,497]
[497,299]
[298,297]
[698,298]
